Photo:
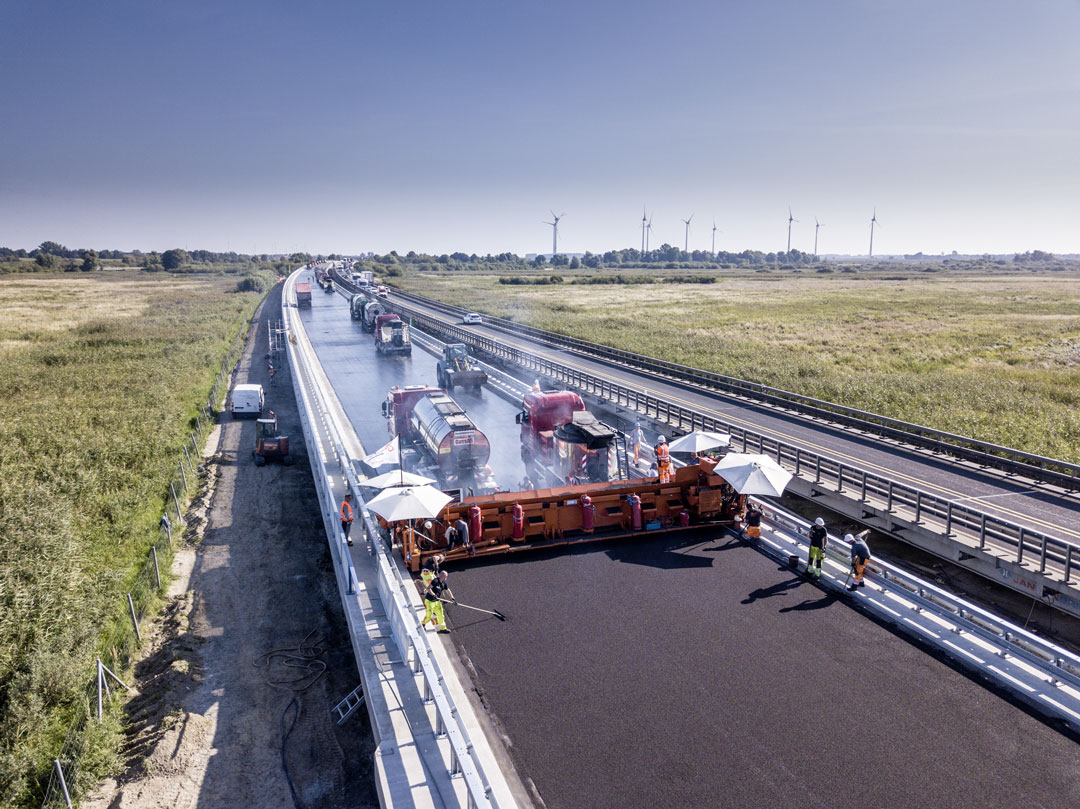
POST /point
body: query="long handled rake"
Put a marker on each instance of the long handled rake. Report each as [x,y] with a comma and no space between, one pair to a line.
[496,613]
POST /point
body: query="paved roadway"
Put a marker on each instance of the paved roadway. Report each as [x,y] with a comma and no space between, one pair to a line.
[361,379]
[676,673]
[1040,507]
[694,672]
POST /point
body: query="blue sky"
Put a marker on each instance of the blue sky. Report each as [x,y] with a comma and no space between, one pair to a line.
[435,126]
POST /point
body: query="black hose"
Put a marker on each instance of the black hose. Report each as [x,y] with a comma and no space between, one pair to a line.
[305,657]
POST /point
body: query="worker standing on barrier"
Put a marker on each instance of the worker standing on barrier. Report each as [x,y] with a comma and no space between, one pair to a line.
[434,594]
[347,516]
[860,555]
[663,460]
[819,541]
[637,441]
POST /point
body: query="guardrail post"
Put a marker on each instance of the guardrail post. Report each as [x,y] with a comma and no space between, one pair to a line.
[1068,562]
[1020,547]
[862,494]
[817,469]
[840,479]
[798,461]
[982,531]
[948,519]
[918,507]
[888,501]
[760,444]
[1042,556]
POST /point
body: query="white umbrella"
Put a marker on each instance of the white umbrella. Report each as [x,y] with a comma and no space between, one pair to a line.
[396,478]
[408,503]
[699,441]
[753,474]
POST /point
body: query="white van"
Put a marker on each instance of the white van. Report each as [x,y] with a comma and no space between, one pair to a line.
[247,400]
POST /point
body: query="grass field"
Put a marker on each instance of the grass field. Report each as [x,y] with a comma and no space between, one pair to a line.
[993,356]
[101,376]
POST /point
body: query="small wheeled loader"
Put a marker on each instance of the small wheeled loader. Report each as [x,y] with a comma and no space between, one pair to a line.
[269,445]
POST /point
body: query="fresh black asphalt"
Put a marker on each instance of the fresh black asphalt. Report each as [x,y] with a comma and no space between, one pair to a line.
[678,672]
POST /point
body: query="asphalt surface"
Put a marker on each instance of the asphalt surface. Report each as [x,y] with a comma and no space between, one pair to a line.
[672,672]
[1041,508]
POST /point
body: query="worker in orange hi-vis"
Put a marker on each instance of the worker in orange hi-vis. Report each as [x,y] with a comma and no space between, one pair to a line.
[637,440]
[860,555]
[663,460]
[347,516]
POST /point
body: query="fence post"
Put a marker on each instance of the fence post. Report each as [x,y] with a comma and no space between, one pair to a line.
[63,783]
[183,474]
[134,620]
[176,503]
[99,684]
[157,570]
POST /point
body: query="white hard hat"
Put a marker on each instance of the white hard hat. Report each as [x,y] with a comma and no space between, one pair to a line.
[848,538]
[662,440]
[819,521]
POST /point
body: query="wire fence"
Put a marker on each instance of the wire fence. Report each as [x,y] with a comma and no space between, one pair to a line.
[67,780]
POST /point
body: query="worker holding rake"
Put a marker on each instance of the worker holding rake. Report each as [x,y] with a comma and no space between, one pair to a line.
[433,601]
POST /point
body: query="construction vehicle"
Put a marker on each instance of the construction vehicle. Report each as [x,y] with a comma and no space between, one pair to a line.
[303,294]
[391,334]
[561,442]
[438,438]
[269,444]
[509,522]
[455,368]
[369,311]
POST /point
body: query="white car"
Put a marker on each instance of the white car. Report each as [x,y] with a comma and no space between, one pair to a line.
[472,319]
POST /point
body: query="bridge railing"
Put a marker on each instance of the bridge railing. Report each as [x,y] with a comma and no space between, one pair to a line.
[317,416]
[892,497]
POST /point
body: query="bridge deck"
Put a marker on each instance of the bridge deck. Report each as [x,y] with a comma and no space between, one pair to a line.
[676,672]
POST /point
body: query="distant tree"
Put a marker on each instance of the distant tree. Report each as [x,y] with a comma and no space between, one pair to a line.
[47,261]
[89,261]
[175,258]
[54,249]
[152,262]
[575,264]
[540,260]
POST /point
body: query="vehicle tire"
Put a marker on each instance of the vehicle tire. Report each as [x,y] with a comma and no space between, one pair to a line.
[259,460]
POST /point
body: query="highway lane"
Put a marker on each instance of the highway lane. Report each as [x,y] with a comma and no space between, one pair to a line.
[672,672]
[361,378]
[1038,507]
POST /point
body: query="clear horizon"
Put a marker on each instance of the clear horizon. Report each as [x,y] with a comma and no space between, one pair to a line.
[353,127]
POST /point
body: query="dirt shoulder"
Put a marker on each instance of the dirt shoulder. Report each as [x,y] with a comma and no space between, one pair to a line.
[253,576]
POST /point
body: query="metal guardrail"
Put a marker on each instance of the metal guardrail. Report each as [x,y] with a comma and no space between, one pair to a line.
[392,588]
[1037,467]
[895,499]
[1038,671]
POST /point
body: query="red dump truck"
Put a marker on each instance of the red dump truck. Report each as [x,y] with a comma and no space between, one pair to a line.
[303,293]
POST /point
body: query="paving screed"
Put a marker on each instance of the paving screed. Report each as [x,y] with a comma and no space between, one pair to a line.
[691,670]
